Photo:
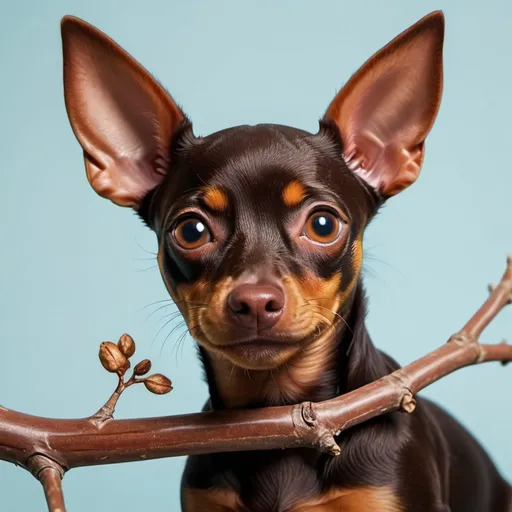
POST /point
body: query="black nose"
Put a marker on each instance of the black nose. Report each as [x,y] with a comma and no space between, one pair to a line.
[256,306]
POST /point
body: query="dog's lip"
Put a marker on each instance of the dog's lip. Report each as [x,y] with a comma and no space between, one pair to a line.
[262,343]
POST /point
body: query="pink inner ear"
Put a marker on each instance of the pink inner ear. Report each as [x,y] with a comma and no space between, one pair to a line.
[122,117]
[387,108]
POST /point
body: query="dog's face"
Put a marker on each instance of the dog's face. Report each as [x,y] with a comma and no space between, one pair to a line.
[260,228]
[260,239]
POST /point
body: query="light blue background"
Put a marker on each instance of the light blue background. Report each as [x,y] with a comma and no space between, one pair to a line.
[73,268]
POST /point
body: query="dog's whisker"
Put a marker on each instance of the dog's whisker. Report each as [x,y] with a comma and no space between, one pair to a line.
[336,314]
[177,326]
[161,329]
[146,269]
[170,316]
[231,372]
[273,378]
[191,303]
[153,304]
[156,310]
[145,250]
[182,340]
[180,343]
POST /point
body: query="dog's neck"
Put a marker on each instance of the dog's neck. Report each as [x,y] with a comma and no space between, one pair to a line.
[342,360]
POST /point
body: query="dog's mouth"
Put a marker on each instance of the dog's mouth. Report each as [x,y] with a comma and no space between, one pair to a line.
[263,351]
[258,349]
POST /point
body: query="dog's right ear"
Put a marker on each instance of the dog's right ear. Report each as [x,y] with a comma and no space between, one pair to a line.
[387,108]
[122,117]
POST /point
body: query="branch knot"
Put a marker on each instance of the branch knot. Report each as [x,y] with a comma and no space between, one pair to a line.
[309,414]
[37,463]
[462,339]
[408,403]
[309,428]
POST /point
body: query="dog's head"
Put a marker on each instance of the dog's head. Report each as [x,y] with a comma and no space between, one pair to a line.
[259,228]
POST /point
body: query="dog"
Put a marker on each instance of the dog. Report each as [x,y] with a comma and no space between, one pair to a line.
[260,232]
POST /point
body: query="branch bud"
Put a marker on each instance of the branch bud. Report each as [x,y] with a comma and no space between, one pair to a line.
[126,345]
[143,367]
[158,384]
[112,359]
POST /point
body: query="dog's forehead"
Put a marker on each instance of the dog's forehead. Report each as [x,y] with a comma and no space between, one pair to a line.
[253,152]
[270,160]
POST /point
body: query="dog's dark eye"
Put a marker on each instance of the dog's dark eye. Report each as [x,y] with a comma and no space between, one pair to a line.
[191,233]
[323,227]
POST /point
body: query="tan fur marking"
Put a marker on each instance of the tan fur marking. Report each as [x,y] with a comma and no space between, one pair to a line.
[215,198]
[362,499]
[211,500]
[293,193]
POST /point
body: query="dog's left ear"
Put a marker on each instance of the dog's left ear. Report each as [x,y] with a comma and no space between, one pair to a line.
[122,117]
[388,107]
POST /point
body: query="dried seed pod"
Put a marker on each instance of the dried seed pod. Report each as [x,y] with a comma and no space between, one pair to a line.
[158,384]
[112,358]
[126,345]
[143,367]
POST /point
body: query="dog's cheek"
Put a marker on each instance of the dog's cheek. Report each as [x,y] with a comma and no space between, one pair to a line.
[297,317]
[207,310]
[316,297]
[185,295]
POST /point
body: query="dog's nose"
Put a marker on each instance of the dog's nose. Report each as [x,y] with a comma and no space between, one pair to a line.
[256,306]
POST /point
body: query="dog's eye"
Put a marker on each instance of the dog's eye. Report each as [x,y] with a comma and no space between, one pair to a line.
[323,227]
[191,233]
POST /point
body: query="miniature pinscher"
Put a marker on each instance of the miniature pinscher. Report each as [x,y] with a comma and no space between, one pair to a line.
[260,233]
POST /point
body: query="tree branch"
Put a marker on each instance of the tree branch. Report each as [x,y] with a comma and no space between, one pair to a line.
[26,439]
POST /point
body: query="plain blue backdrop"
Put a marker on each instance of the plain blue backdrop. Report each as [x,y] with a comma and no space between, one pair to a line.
[76,270]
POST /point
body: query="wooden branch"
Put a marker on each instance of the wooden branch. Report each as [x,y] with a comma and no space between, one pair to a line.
[103,440]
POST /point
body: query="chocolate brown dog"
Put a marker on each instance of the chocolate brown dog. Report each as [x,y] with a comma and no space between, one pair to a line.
[260,235]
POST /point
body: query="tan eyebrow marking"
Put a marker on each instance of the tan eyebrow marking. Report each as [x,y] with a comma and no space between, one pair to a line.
[293,193]
[215,198]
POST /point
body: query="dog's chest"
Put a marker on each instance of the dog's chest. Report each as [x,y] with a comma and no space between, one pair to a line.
[361,499]
[278,480]
[289,481]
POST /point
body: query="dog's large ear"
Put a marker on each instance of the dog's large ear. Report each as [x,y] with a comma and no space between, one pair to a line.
[388,107]
[122,117]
